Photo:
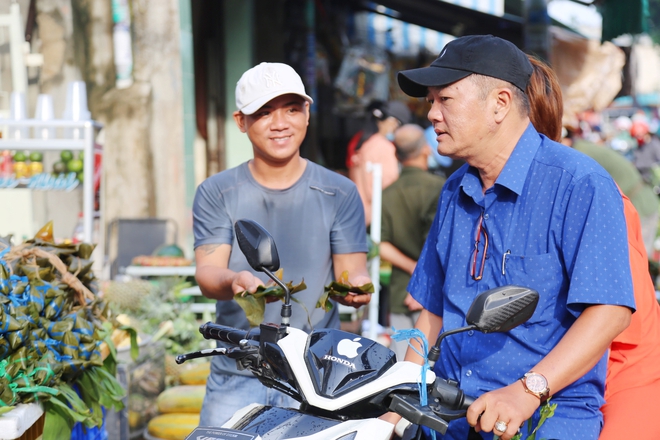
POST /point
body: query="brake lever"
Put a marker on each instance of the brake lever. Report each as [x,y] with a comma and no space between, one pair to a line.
[198,354]
[410,409]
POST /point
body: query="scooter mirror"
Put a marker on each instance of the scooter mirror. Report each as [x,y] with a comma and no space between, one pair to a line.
[502,308]
[257,245]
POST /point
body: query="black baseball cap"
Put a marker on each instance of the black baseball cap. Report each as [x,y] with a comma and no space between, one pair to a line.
[483,54]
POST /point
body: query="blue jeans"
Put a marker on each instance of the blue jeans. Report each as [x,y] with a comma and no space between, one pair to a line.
[227,393]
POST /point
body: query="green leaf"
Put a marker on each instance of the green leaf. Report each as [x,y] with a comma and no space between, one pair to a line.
[58,422]
[6,409]
[135,347]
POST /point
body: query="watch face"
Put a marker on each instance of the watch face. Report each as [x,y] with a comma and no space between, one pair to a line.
[536,383]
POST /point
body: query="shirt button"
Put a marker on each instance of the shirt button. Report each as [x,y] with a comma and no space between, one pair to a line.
[471,332]
[468,373]
[485,216]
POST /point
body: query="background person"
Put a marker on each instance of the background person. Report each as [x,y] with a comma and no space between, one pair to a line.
[524,210]
[314,215]
[633,369]
[409,205]
[376,146]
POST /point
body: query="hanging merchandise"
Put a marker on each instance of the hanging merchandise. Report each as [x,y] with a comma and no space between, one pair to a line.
[363,76]
[122,42]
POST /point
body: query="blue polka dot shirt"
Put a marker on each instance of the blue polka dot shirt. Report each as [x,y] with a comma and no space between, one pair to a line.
[554,221]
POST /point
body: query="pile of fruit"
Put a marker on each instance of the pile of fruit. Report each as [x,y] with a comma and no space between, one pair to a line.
[53,324]
[68,163]
[179,406]
[27,164]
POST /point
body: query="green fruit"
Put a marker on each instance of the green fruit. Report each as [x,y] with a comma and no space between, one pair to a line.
[79,176]
[74,165]
[36,156]
[81,155]
[66,155]
[20,157]
[59,168]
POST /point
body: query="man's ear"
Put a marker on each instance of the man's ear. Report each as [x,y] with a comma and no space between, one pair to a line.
[503,103]
[239,118]
[308,110]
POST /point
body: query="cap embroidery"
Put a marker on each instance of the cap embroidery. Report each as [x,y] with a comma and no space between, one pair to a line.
[272,79]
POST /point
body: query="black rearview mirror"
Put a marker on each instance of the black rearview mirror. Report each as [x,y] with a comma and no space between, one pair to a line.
[257,245]
[502,308]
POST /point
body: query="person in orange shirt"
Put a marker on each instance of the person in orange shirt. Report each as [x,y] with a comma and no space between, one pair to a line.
[375,146]
[633,370]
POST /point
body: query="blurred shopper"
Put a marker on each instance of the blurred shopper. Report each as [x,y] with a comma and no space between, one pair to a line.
[409,205]
[630,182]
[375,146]
[633,369]
[647,155]
[314,214]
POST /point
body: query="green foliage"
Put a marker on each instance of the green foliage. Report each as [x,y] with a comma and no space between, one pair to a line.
[164,313]
[547,411]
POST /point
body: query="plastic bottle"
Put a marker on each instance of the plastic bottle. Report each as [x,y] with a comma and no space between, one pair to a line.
[78,230]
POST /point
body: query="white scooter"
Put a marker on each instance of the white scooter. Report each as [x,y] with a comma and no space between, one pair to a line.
[343,381]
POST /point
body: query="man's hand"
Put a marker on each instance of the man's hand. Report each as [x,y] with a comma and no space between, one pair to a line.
[412,303]
[511,405]
[353,300]
[245,281]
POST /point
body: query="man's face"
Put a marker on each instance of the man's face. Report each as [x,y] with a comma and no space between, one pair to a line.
[458,114]
[277,129]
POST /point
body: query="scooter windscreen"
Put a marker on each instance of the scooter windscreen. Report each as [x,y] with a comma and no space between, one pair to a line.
[339,362]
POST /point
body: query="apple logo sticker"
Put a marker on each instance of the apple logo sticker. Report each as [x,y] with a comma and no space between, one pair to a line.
[348,348]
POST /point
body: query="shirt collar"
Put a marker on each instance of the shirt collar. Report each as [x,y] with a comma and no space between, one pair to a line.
[520,160]
[516,166]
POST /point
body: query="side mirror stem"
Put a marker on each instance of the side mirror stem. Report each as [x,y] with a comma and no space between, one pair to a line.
[434,352]
[286,307]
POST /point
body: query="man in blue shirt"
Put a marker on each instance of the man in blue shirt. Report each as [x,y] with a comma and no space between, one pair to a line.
[528,211]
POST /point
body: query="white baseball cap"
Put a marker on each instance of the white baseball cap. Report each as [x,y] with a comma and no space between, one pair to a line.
[264,82]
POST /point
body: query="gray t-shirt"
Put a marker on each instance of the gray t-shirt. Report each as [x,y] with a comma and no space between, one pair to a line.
[320,215]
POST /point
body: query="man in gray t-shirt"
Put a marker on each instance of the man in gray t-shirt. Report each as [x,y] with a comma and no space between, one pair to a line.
[315,216]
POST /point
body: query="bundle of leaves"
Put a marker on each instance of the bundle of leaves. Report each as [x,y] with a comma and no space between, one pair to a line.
[254,304]
[341,287]
[52,324]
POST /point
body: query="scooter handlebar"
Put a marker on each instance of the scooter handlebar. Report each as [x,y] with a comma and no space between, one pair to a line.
[224,333]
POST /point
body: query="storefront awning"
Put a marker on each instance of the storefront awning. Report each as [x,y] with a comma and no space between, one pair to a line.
[624,17]
[447,18]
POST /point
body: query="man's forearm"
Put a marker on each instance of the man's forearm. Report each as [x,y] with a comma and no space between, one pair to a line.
[391,253]
[583,345]
[215,282]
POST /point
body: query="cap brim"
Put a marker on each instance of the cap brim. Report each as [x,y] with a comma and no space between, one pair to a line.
[258,103]
[415,82]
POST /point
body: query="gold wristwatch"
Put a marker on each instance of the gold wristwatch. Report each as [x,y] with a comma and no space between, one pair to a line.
[536,384]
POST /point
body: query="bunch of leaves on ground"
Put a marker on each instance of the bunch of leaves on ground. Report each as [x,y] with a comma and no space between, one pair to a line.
[52,325]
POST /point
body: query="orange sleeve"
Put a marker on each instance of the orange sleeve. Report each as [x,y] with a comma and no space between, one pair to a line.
[639,267]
